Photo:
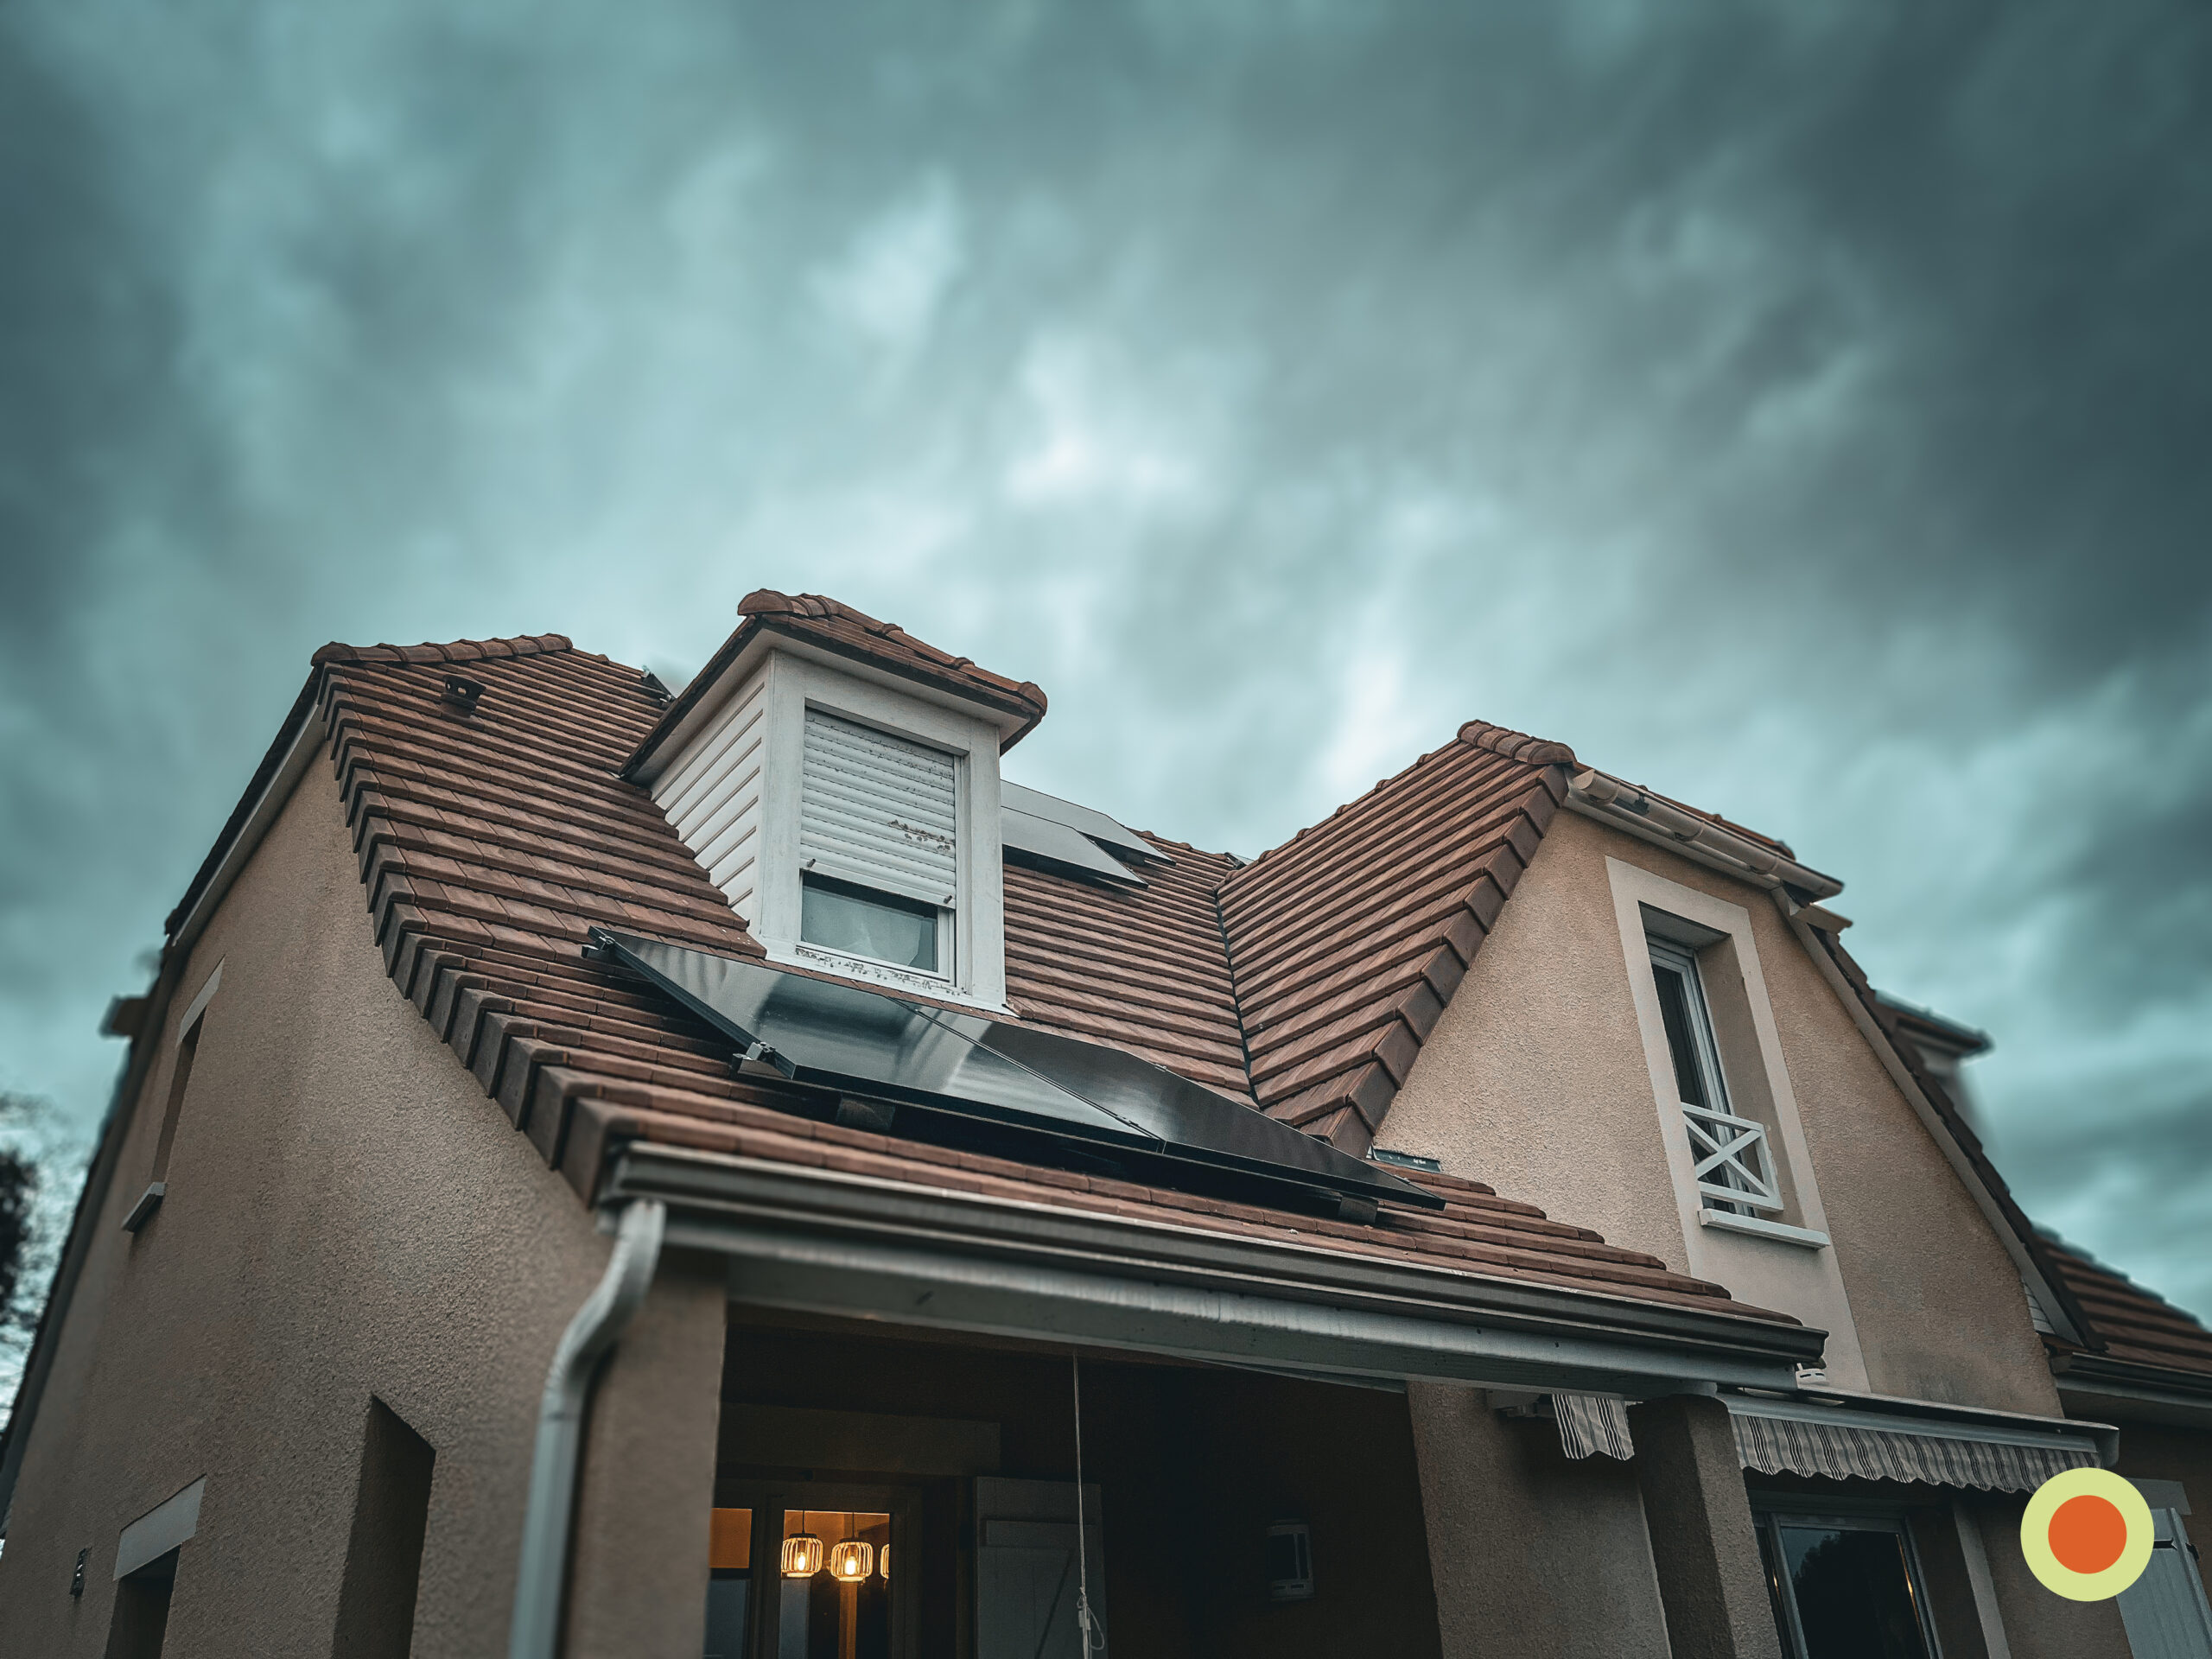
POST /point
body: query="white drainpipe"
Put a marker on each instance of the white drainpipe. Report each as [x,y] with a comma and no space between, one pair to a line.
[538,1584]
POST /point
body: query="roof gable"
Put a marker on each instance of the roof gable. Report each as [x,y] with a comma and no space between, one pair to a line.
[1349,940]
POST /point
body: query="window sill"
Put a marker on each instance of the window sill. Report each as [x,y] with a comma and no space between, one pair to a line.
[882,976]
[1803,1237]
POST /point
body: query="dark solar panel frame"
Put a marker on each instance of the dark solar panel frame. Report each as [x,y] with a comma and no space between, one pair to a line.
[834,1035]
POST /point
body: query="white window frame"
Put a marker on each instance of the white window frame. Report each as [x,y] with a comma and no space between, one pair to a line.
[1787,1266]
[1733,1164]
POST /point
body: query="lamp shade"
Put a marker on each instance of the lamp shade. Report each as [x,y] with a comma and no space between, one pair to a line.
[802,1556]
[883,1562]
[852,1560]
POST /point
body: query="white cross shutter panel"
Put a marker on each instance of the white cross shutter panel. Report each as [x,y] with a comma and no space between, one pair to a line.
[879,810]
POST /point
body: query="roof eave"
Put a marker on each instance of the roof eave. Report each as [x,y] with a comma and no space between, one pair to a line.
[882,1249]
[1622,806]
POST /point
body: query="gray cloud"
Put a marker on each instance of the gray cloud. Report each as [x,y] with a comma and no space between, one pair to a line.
[1804,409]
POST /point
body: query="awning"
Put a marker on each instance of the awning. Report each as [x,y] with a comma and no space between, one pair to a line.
[1994,1451]
[1878,1440]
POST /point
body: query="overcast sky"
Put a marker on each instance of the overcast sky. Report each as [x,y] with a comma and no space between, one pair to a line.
[1804,408]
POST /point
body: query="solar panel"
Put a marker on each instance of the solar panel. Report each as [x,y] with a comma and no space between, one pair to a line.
[1028,839]
[1110,833]
[840,1037]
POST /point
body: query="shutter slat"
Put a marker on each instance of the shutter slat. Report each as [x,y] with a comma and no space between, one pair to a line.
[878,810]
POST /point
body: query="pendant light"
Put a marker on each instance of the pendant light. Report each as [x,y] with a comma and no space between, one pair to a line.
[801,1552]
[852,1560]
[883,1562]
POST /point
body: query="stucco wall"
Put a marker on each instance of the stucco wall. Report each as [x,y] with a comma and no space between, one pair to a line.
[2038,1624]
[1532,1554]
[1535,1080]
[2162,1452]
[347,1215]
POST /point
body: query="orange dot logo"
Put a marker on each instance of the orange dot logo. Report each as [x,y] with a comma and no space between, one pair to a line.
[2087,1534]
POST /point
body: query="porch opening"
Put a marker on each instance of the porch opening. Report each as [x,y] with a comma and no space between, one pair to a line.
[914,1496]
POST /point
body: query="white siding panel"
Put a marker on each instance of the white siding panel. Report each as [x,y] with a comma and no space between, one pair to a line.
[711,795]
[879,810]
[697,778]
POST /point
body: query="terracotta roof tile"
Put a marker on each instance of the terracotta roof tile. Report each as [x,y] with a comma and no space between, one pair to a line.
[2134,1324]
[1349,940]
[489,841]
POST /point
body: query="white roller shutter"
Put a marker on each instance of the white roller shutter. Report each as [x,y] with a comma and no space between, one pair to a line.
[879,810]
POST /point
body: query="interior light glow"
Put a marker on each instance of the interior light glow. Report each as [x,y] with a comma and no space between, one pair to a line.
[801,1554]
[852,1560]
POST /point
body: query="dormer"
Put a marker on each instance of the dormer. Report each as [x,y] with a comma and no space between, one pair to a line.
[838,781]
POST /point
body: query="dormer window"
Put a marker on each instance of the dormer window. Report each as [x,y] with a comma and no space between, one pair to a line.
[838,781]
[879,839]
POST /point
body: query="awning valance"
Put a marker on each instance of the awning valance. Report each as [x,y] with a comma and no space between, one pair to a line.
[1902,1440]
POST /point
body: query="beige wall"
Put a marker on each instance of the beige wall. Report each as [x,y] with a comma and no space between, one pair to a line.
[347,1215]
[1533,1555]
[2038,1624]
[1535,1080]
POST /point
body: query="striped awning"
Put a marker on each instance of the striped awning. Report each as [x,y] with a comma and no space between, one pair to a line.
[1988,1451]
[1779,1436]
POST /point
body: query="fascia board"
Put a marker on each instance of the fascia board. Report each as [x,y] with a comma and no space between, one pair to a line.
[877,1249]
[305,742]
[2136,1402]
[2059,1306]
[1598,795]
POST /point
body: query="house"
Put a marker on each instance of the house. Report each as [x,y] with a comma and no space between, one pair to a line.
[604,1171]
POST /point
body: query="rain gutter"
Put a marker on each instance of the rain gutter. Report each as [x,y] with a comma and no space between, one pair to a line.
[865,1248]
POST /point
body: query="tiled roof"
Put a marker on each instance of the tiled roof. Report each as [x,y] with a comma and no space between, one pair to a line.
[1143,968]
[491,842]
[830,625]
[1349,939]
[2134,1324]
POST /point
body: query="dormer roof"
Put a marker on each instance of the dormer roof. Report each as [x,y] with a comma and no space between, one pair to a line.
[829,626]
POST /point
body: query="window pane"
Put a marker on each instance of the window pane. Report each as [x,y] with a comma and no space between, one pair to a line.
[862,923]
[1675,1010]
[1854,1595]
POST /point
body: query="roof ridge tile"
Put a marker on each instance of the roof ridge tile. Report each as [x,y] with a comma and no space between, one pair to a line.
[453,650]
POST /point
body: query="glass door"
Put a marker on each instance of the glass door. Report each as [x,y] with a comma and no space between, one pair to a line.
[1845,1587]
[805,1570]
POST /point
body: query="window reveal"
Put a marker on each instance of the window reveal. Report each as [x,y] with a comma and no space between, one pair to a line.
[1734,1170]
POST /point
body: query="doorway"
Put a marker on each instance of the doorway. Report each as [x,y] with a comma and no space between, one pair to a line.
[813,1570]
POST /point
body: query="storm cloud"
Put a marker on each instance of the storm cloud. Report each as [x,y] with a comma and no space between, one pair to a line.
[1806,409]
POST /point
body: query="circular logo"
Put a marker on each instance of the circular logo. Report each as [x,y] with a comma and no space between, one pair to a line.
[2087,1534]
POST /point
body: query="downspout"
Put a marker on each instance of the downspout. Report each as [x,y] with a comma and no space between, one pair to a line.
[541,1576]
